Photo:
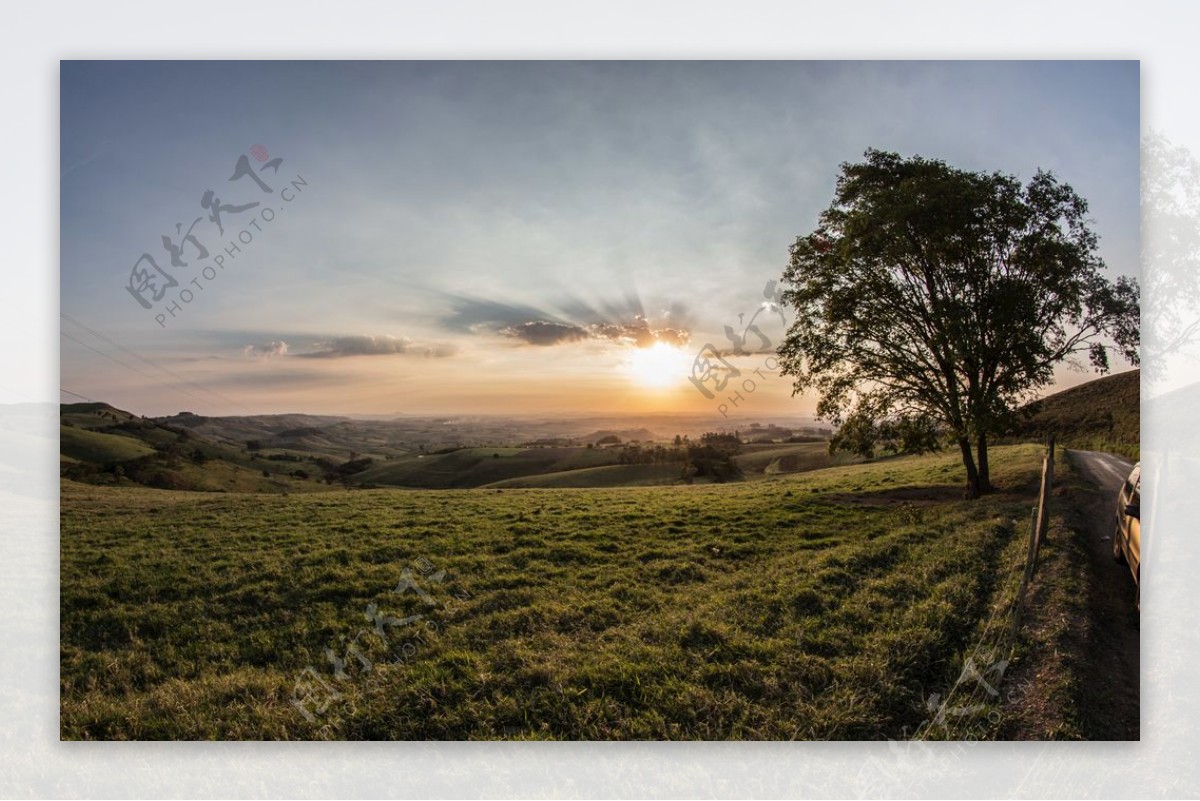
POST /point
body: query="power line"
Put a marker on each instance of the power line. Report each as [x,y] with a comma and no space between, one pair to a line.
[76,395]
[115,360]
[222,398]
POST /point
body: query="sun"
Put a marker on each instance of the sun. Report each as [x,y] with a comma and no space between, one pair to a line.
[658,366]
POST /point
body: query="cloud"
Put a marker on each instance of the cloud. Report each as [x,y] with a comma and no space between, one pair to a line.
[639,333]
[622,322]
[340,347]
[345,346]
[267,351]
[472,315]
[543,332]
[440,350]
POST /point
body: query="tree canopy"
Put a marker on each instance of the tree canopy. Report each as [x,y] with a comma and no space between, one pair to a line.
[931,298]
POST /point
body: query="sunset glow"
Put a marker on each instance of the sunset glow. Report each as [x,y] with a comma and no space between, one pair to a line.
[659,366]
[427,239]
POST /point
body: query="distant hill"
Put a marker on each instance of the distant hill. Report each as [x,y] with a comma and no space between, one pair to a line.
[801,457]
[624,435]
[475,467]
[310,430]
[82,445]
[100,444]
[1104,415]
[615,475]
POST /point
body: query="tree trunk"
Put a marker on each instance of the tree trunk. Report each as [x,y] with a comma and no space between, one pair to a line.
[964,444]
[985,482]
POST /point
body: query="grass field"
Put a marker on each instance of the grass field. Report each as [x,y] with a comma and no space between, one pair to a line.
[817,605]
[789,458]
[476,467]
[616,475]
[94,446]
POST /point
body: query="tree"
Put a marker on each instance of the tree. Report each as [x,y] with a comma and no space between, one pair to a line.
[730,444]
[933,296]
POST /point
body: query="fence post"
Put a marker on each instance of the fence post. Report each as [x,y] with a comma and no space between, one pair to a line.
[1039,522]
[1043,515]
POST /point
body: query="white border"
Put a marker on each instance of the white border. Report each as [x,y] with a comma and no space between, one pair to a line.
[34,763]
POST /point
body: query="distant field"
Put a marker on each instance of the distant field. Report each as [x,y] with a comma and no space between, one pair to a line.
[817,605]
[617,475]
[575,467]
[789,458]
[476,467]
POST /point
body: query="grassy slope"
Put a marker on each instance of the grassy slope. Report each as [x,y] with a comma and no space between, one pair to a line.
[93,415]
[93,446]
[574,467]
[1103,415]
[818,605]
[97,434]
[788,458]
[617,475]
[475,467]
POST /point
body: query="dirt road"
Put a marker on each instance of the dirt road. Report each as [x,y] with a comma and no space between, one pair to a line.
[1109,678]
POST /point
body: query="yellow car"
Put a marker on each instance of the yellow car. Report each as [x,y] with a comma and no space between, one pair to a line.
[1127,539]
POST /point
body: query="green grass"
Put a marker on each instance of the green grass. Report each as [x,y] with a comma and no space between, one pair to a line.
[789,458]
[476,467]
[1101,415]
[93,415]
[93,446]
[617,475]
[817,605]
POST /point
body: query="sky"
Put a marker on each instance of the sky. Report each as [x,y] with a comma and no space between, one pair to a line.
[504,237]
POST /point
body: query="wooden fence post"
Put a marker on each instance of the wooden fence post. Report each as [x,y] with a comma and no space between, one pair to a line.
[1043,523]
[1039,522]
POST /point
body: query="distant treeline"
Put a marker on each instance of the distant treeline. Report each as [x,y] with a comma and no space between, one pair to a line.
[711,457]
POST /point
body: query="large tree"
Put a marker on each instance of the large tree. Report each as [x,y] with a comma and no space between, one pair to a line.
[933,296]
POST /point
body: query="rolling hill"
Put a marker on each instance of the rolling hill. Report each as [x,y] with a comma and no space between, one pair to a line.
[476,467]
[100,444]
[613,475]
[83,445]
[1104,415]
[789,458]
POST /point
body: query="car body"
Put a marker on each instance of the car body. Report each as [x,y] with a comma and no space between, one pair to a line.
[1127,538]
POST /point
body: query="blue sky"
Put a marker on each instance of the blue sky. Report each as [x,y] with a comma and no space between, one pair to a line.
[503,236]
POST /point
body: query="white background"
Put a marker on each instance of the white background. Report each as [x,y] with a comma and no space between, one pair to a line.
[33,763]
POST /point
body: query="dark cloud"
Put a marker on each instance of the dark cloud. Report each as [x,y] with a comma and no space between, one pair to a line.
[622,321]
[673,336]
[472,315]
[639,333]
[340,347]
[543,332]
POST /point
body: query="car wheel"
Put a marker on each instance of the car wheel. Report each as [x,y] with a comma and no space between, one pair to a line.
[1117,552]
